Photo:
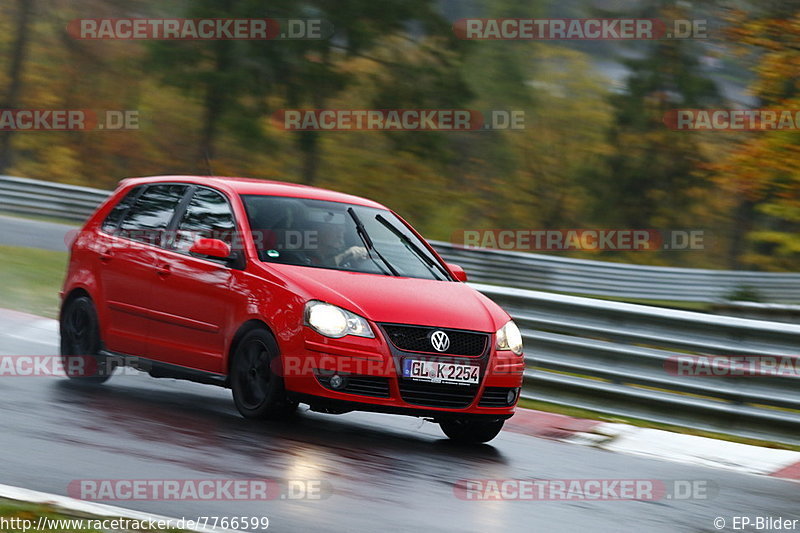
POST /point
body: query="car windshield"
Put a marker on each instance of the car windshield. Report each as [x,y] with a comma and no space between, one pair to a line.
[339,236]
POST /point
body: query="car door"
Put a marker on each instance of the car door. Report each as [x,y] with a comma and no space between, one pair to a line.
[127,251]
[196,297]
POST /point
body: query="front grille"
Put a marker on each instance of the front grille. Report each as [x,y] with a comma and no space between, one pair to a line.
[437,394]
[364,385]
[418,339]
[495,397]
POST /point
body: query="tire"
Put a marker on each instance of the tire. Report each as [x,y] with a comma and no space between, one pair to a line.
[258,392]
[471,431]
[81,344]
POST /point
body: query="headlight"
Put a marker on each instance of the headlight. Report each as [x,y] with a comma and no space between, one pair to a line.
[335,322]
[509,338]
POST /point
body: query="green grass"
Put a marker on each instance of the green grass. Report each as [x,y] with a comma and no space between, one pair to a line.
[596,415]
[30,279]
[701,307]
[12,509]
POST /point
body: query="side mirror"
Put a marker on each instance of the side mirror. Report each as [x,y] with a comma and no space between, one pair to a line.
[211,248]
[458,272]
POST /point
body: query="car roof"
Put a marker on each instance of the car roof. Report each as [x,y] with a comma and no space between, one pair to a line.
[263,187]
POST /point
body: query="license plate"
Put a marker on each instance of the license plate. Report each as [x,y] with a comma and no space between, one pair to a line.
[438,372]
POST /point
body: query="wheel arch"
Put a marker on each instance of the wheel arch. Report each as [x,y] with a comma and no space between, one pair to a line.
[248,326]
[73,294]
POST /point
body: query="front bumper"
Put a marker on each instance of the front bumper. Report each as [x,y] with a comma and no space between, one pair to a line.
[370,369]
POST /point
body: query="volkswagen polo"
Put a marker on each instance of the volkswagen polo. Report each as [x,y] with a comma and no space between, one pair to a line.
[287,294]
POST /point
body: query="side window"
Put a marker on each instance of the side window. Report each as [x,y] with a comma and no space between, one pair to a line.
[207,216]
[112,220]
[148,218]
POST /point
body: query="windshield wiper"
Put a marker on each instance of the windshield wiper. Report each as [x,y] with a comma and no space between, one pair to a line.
[430,263]
[362,232]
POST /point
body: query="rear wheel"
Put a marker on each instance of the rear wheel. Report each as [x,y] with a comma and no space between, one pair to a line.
[471,430]
[258,392]
[80,343]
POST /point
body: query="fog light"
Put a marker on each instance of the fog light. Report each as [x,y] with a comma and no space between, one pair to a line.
[337,382]
[511,396]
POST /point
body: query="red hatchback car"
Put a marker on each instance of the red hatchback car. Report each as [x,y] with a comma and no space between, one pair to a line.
[287,294]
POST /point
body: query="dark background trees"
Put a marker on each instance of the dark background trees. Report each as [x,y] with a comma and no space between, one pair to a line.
[594,151]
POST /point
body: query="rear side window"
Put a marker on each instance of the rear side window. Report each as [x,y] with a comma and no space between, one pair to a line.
[208,216]
[113,219]
[149,217]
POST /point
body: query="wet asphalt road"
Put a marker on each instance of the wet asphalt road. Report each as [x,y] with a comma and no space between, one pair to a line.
[386,473]
[40,234]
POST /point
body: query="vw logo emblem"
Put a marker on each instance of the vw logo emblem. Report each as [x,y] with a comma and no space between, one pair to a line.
[440,341]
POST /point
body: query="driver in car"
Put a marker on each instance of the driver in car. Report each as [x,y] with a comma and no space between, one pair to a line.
[331,250]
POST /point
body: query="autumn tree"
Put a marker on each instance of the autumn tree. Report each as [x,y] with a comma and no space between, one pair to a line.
[763,170]
[19,50]
[652,172]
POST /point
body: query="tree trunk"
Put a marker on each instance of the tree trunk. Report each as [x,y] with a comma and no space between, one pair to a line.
[213,107]
[19,49]
[211,112]
[308,142]
[309,146]
[742,224]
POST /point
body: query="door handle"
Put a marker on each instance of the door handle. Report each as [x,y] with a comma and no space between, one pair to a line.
[106,255]
[163,270]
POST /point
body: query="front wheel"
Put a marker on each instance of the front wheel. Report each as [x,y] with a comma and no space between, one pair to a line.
[471,431]
[80,343]
[258,392]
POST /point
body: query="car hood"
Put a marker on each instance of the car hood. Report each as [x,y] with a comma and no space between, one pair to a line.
[397,299]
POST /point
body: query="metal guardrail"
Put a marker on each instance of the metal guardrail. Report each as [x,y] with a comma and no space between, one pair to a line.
[601,278]
[43,198]
[619,359]
[594,354]
[515,269]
